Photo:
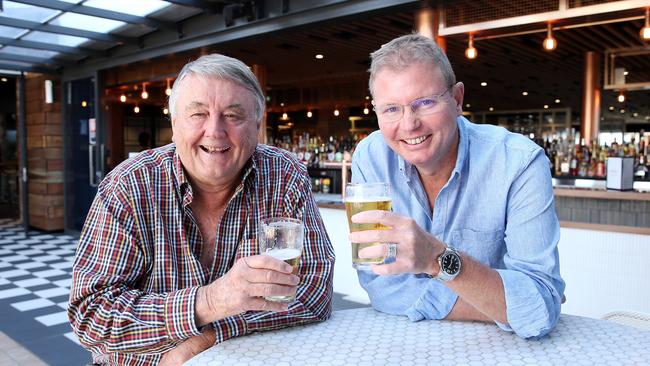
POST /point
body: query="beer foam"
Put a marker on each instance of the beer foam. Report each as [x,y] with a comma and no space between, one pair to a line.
[284,225]
[368,199]
[283,254]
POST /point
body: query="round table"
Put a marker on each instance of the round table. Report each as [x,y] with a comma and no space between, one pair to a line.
[367,337]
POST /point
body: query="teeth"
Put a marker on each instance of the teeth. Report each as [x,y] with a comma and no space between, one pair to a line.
[415,141]
[215,149]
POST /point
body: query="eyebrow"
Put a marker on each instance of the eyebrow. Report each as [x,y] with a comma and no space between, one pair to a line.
[195,105]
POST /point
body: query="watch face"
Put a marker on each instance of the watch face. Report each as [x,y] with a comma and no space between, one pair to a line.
[450,263]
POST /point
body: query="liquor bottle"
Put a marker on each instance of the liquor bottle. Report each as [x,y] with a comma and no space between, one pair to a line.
[573,165]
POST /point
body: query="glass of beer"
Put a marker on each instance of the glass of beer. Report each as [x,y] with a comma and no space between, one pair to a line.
[364,197]
[281,238]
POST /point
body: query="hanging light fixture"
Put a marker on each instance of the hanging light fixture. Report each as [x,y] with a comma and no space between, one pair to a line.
[309,114]
[122,98]
[165,111]
[336,112]
[621,97]
[550,43]
[471,52]
[285,116]
[366,111]
[136,109]
[144,94]
[645,31]
[168,91]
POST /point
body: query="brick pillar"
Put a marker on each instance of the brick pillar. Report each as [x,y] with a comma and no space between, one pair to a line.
[44,154]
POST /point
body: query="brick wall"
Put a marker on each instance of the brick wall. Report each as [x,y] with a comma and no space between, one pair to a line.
[44,154]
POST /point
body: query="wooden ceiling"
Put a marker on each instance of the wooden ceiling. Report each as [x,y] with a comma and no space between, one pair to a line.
[509,64]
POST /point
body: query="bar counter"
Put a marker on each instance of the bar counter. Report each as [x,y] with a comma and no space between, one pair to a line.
[582,204]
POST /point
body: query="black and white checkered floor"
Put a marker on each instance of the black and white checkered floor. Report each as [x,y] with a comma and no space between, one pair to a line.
[35,276]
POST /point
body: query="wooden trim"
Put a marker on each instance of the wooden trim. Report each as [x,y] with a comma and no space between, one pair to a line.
[602,194]
[603,227]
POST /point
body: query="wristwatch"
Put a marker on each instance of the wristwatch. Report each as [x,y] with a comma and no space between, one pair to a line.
[449,263]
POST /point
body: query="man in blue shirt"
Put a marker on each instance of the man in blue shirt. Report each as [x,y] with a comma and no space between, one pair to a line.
[474,230]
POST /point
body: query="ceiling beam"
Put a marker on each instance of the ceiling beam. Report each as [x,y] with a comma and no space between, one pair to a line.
[101,13]
[551,16]
[27,59]
[198,4]
[29,68]
[49,47]
[26,24]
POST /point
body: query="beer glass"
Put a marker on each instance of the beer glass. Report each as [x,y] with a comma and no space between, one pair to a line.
[281,238]
[364,197]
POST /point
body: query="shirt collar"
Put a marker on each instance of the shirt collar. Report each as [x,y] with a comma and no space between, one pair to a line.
[250,172]
[463,149]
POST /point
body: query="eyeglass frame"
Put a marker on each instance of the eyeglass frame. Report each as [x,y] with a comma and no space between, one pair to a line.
[436,97]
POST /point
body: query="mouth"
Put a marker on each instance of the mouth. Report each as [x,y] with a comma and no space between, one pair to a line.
[214,149]
[416,140]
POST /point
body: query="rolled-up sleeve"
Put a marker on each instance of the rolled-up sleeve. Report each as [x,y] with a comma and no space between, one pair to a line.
[531,278]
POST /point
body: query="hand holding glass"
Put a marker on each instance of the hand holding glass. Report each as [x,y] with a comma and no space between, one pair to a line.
[366,197]
[281,238]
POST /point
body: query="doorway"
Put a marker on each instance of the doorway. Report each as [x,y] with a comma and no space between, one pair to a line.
[9,205]
[84,151]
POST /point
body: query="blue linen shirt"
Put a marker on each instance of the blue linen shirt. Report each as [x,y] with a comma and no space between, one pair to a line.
[496,207]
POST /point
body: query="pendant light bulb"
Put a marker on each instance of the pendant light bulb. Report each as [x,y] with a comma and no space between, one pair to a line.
[550,43]
[136,109]
[122,98]
[168,91]
[144,94]
[621,97]
[471,52]
[645,31]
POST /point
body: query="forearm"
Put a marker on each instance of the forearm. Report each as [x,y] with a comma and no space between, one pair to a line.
[480,291]
[131,321]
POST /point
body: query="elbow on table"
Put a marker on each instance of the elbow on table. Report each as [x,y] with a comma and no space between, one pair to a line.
[539,327]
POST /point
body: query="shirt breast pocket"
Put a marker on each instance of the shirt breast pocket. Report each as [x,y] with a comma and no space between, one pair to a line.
[487,247]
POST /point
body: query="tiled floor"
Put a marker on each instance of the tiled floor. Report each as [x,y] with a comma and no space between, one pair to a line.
[35,275]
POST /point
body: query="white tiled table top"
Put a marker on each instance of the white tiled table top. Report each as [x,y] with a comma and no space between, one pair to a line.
[366,337]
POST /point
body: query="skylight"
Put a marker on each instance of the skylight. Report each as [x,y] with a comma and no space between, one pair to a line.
[139,8]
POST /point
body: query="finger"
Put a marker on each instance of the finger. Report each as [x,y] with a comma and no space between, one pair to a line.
[387,269]
[267,262]
[374,236]
[385,218]
[267,289]
[255,275]
[373,251]
[261,304]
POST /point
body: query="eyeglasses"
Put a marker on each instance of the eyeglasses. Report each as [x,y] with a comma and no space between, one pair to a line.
[389,113]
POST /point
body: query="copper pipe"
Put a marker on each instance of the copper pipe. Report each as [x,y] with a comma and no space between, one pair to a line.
[590,117]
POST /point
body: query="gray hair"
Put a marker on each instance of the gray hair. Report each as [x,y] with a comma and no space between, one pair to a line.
[224,68]
[406,51]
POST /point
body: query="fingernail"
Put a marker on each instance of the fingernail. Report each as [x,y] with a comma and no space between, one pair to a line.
[288,268]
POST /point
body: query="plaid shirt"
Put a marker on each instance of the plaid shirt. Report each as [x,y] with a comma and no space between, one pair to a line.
[137,266]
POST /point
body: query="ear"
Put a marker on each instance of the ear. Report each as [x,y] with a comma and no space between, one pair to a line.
[459,94]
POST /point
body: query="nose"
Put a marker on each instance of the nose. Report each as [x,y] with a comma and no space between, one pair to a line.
[410,119]
[214,126]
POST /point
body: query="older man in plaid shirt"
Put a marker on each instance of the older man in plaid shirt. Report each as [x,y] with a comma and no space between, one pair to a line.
[167,263]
